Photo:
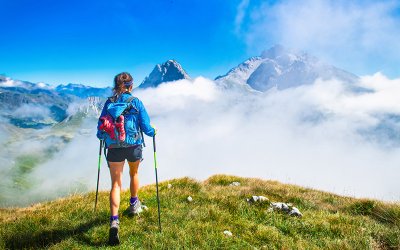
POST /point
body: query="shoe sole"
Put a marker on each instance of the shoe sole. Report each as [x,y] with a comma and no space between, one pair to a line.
[114,238]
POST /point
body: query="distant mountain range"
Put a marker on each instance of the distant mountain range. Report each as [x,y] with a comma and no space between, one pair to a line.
[281,69]
[83,91]
[30,105]
[277,68]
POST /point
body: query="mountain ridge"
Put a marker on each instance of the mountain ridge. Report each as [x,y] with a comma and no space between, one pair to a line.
[276,67]
[281,68]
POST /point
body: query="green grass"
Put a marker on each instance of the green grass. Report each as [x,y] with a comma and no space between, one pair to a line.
[24,164]
[329,222]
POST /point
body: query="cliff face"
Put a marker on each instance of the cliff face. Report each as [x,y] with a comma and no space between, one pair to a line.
[169,71]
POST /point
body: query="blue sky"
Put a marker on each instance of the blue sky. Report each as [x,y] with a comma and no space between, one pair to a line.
[91,41]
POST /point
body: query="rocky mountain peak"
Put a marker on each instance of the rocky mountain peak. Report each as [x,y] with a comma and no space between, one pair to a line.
[274,52]
[168,71]
[282,68]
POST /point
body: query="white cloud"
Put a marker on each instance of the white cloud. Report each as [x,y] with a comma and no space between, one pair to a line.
[381,98]
[240,14]
[361,36]
[177,95]
[32,110]
[308,135]
[74,169]
[319,136]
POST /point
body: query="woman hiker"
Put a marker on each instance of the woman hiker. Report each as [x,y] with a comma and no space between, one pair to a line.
[121,123]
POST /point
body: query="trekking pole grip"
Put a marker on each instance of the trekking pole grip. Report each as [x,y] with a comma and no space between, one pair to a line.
[155,151]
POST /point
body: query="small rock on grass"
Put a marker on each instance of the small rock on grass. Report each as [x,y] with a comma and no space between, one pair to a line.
[235,184]
[189,199]
[260,199]
[286,208]
[228,233]
[295,212]
[280,206]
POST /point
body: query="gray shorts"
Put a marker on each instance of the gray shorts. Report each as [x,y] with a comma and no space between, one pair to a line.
[131,154]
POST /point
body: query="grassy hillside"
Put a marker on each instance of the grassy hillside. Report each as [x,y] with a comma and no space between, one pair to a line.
[329,221]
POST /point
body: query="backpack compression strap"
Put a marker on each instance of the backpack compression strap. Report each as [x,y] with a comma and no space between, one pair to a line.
[130,99]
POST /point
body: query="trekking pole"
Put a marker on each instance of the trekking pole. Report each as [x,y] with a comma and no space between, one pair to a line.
[141,133]
[98,174]
[155,167]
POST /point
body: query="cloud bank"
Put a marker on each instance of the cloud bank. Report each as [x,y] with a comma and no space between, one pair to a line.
[29,110]
[321,136]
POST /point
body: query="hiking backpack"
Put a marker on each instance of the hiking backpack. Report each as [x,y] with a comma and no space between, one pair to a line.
[120,124]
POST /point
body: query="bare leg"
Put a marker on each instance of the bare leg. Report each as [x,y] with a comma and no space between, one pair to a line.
[116,169]
[133,172]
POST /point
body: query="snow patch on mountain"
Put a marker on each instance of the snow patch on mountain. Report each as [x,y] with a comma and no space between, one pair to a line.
[83,91]
[7,82]
[234,78]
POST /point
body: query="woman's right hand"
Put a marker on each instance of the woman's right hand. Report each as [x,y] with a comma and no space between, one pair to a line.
[155,129]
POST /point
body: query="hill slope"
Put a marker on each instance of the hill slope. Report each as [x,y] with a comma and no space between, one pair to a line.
[329,221]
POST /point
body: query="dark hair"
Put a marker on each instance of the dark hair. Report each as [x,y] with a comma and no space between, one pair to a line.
[122,82]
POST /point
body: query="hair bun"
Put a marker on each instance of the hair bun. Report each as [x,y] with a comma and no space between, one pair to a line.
[122,81]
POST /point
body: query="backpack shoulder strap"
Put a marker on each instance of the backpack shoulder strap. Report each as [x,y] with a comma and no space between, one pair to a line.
[130,99]
[112,99]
